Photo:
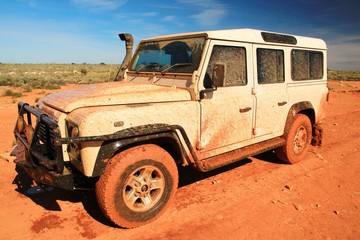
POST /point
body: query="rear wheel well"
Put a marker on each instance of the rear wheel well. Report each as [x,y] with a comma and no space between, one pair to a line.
[305,108]
[310,113]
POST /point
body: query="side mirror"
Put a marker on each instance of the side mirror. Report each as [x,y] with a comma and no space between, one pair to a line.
[205,93]
[217,80]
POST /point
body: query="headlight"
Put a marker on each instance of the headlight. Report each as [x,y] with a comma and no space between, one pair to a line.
[74,147]
[74,132]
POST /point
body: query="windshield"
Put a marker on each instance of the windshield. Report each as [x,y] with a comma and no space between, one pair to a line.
[174,56]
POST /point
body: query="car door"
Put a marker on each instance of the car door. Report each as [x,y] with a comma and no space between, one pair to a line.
[227,113]
[271,97]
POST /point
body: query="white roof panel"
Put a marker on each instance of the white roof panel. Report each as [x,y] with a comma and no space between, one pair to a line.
[252,36]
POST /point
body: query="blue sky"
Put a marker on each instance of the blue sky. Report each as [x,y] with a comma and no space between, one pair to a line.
[55,31]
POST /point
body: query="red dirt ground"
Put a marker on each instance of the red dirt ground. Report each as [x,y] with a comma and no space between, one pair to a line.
[258,198]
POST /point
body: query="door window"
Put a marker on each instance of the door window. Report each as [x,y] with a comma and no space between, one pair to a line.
[270,66]
[232,63]
[306,65]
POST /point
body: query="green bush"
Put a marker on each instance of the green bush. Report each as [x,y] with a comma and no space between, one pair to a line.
[53,86]
[83,71]
[5,81]
[52,76]
[11,93]
[344,75]
[27,88]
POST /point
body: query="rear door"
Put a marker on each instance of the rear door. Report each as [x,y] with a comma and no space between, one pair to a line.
[270,92]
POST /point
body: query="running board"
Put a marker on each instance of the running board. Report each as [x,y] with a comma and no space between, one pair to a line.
[218,161]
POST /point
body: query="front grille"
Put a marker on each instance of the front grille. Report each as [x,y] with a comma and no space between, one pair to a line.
[46,135]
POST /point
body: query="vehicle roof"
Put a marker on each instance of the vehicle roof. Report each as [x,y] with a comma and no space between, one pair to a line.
[248,35]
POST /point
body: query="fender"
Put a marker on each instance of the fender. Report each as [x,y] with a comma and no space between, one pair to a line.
[136,135]
[301,107]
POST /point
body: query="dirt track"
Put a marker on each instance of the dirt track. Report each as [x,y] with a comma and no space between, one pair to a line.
[258,198]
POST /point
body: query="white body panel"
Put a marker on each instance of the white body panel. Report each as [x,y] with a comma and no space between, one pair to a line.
[114,93]
[271,100]
[249,36]
[215,124]
[100,121]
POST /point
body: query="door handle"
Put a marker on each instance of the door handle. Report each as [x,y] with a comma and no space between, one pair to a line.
[282,103]
[242,110]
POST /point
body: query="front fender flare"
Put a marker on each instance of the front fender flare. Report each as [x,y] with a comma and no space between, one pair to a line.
[133,135]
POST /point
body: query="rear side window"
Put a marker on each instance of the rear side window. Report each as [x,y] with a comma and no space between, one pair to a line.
[233,60]
[306,65]
[270,66]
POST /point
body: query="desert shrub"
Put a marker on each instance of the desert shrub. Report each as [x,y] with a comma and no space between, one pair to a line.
[27,88]
[112,74]
[5,81]
[83,71]
[52,76]
[8,92]
[11,93]
[345,75]
[42,83]
[53,86]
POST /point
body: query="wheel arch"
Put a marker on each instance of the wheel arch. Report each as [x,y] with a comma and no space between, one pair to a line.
[167,140]
[305,108]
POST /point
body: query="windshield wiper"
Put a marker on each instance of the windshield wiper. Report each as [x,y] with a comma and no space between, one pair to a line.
[175,65]
[147,65]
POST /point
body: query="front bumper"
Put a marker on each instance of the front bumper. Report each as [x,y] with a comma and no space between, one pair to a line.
[38,151]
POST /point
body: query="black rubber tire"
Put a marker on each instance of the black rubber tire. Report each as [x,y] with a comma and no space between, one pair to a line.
[298,140]
[137,186]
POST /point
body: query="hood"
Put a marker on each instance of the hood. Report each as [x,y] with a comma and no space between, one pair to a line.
[113,93]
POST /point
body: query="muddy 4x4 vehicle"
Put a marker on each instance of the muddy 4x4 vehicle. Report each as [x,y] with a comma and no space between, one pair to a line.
[202,100]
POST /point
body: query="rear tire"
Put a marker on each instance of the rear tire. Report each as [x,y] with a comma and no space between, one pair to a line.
[137,186]
[298,140]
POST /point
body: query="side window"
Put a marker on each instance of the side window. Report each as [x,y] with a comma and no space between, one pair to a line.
[270,66]
[306,65]
[231,61]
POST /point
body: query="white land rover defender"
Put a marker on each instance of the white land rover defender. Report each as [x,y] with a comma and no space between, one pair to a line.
[202,100]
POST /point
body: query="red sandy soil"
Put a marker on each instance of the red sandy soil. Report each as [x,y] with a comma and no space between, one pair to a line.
[258,198]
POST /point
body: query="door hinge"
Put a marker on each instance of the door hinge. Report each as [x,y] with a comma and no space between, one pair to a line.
[200,145]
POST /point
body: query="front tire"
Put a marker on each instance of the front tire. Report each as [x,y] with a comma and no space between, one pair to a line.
[298,140]
[137,186]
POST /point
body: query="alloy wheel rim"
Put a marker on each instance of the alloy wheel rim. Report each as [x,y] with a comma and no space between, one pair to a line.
[144,188]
